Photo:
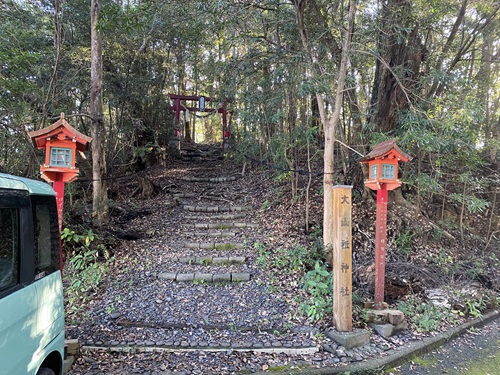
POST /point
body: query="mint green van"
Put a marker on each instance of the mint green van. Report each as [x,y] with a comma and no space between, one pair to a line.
[31,293]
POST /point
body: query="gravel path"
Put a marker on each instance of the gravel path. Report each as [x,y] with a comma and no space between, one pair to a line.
[145,323]
[475,353]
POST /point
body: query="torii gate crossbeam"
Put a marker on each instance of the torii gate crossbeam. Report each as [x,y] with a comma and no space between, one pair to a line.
[177,107]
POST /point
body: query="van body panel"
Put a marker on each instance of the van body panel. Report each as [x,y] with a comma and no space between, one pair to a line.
[50,310]
[18,331]
[31,305]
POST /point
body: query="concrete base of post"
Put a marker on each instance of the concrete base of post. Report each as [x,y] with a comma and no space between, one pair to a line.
[350,340]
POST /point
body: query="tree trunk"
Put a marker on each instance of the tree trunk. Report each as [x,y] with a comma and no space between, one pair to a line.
[100,198]
[484,80]
[330,134]
[398,67]
[329,125]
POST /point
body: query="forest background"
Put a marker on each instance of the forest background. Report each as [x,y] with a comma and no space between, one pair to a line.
[300,75]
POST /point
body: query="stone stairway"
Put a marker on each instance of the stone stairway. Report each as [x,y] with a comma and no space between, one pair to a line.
[200,153]
[214,231]
[195,282]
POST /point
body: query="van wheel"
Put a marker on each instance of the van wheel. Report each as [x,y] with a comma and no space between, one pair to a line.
[45,371]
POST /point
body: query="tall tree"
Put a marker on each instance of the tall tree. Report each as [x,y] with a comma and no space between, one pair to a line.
[398,66]
[330,122]
[98,133]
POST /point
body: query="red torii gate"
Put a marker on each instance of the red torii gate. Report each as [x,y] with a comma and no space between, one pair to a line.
[177,107]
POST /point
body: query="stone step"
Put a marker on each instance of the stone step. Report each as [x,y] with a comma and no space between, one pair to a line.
[228,277]
[185,195]
[221,225]
[209,179]
[215,217]
[216,208]
[215,234]
[213,246]
[212,260]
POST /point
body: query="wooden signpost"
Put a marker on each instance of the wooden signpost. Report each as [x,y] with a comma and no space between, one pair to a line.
[342,258]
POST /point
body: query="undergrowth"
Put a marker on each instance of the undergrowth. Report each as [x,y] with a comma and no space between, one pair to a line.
[426,317]
[315,278]
[319,285]
[89,260]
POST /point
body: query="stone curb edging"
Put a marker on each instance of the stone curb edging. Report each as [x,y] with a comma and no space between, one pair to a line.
[152,349]
[399,356]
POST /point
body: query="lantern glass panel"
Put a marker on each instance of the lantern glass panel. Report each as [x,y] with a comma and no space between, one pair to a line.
[60,157]
[388,172]
[374,171]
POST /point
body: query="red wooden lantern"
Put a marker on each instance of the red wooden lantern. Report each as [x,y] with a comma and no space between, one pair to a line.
[60,141]
[383,165]
[382,177]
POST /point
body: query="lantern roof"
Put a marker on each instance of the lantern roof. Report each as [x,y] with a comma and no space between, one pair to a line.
[63,130]
[384,149]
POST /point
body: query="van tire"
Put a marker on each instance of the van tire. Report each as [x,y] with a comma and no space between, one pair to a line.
[45,371]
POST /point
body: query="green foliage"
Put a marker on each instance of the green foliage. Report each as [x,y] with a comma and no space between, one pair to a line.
[297,259]
[319,285]
[90,272]
[264,253]
[266,205]
[85,270]
[472,203]
[472,268]
[475,307]
[437,234]
[426,183]
[246,146]
[27,55]
[426,317]
[496,302]
[310,86]
[404,241]
[71,237]
[317,282]
[475,269]
[444,261]
[226,49]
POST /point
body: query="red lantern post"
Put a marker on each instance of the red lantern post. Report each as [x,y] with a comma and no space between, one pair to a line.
[61,142]
[382,176]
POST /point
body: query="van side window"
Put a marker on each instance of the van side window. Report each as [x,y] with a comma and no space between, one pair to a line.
[9,248]
[46,235]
